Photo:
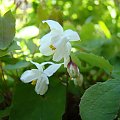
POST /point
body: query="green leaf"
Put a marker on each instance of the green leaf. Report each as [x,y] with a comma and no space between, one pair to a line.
[116,71]
[27,105]
[18,65]
[11,48]
[95,60]
[89,32]
[77,61]
[105,29]
[7,30]
[101,101]
[31,46]
[89,29]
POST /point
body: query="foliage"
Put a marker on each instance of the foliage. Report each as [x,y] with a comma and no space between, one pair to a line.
[101,101]
[7,30]
[97,56]
[38,105]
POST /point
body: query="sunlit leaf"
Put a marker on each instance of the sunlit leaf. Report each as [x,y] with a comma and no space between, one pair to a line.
[105,29]
[7,30]
[101,101]
[92,38]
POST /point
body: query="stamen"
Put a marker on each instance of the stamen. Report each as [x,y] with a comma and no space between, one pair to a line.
[33,82]
[52,47]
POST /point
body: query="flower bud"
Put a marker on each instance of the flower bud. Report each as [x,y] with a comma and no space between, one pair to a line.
[72,69]
[79,80]
[74,73]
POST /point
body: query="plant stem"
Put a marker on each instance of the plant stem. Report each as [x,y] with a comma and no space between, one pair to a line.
[2,71]
[71,105]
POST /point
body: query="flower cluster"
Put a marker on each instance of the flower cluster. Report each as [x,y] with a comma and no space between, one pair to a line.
[56,43]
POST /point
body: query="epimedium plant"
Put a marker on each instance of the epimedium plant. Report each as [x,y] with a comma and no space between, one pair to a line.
[66,98]
[56,42]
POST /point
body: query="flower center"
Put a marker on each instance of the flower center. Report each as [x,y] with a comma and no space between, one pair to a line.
[33,82]
[52,47]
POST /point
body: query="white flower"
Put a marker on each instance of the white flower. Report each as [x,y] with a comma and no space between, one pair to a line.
[57,42]
[40,75]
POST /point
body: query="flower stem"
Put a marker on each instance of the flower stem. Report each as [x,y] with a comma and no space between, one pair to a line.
[71,105]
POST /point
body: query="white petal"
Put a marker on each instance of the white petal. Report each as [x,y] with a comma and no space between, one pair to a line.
[54,25]
[39,66]
[29,75]
[44,63]
[46,50]
[42,85]
[60,50]
[60,42]
[66,61]
[45,42]
[71,35]
[67,54]
[45,39]
[58,55]
[68,49]
[52,69]
[56,39]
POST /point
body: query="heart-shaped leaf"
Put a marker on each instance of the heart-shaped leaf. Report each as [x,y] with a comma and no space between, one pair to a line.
[101,101]
[27,105]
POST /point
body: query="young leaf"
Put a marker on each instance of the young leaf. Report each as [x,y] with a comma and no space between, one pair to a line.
[101,101]
[7,30]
